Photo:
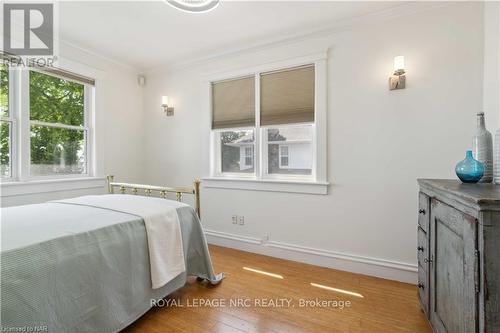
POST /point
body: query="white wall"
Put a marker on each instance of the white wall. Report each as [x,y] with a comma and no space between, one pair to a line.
[379,141]
[119,129]
[491,90]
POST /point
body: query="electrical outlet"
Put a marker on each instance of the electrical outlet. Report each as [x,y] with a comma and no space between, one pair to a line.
[241,220]
[234,219]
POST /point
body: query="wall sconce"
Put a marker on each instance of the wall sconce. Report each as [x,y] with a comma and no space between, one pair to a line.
[167,105]
[398,79]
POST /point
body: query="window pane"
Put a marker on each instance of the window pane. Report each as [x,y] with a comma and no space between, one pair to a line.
[57,151]
[5,167]
[290,150]
[55,100]
[4,91]
[234,156]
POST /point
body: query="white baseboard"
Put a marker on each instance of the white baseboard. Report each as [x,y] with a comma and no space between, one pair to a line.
[386,269]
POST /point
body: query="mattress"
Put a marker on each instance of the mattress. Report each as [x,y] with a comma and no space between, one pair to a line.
[71,268]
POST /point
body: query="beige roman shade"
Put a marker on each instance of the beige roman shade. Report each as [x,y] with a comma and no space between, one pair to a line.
[233,103]
[287,96]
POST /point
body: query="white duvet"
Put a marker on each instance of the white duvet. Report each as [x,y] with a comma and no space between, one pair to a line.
[166,254]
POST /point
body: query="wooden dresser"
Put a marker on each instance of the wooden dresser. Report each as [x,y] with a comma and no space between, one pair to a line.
[459,255]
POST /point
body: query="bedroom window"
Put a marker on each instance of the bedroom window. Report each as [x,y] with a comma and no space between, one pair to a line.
[287,119]
[6,124]
[58,129]
[233,124]
[50,110]
[283,123]
[265,126]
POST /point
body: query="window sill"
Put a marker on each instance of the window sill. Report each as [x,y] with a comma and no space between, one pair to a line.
[267,185]
[15,188]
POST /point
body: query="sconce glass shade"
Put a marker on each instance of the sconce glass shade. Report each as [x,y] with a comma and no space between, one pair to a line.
[399,64]
[168,105]
[398,79]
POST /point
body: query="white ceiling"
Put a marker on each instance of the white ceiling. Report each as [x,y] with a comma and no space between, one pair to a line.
[146,34]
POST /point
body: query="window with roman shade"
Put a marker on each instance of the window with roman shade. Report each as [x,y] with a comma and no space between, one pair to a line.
[287,96]
[233,103]
[264,125]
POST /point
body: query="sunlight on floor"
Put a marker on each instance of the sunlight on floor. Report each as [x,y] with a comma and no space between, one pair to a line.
[336,290]
[263,273]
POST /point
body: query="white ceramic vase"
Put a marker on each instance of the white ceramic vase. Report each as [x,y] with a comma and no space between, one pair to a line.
[482,147]
[496,157]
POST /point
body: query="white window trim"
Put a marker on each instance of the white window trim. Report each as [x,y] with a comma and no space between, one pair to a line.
[10,189]
[11,119]
[21,183]
[271,185]
[317,183]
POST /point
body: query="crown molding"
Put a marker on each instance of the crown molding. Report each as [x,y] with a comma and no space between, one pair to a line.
[96,54]
[405,9]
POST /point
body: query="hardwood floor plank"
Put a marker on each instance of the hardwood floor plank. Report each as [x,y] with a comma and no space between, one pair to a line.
[382,306]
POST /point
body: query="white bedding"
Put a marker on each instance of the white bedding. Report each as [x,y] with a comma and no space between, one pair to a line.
[166,253]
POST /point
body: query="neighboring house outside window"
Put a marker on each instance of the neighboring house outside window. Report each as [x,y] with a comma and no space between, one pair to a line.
[242,156]
[248,157]
[283,156]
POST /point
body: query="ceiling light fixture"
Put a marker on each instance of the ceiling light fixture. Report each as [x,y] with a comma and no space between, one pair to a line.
[193,6]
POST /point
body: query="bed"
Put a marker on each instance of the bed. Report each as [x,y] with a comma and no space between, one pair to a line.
[72,267]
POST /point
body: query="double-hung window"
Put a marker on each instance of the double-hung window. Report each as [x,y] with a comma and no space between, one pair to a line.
[265,126]
[46,123]
[6,125]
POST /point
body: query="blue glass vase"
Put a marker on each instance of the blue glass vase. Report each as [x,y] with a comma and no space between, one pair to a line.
[469,170]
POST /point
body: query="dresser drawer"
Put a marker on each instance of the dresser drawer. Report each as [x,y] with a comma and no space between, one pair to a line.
[423,249]
[423,211]
[423,289]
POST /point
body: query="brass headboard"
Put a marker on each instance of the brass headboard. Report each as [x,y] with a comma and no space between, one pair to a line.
[150,189]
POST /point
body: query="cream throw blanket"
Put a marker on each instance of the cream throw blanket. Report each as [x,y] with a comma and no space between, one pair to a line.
[166,254]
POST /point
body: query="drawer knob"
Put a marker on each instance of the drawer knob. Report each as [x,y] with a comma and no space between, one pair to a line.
[421,211]
[420,248]
[420,286]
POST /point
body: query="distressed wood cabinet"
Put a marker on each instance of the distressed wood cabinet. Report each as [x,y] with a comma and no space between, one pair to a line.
[458,255]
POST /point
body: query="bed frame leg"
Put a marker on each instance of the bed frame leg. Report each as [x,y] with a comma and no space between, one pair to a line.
[197,197]
[110,179]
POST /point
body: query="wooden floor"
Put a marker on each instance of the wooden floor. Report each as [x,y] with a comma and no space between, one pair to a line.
[377,305]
